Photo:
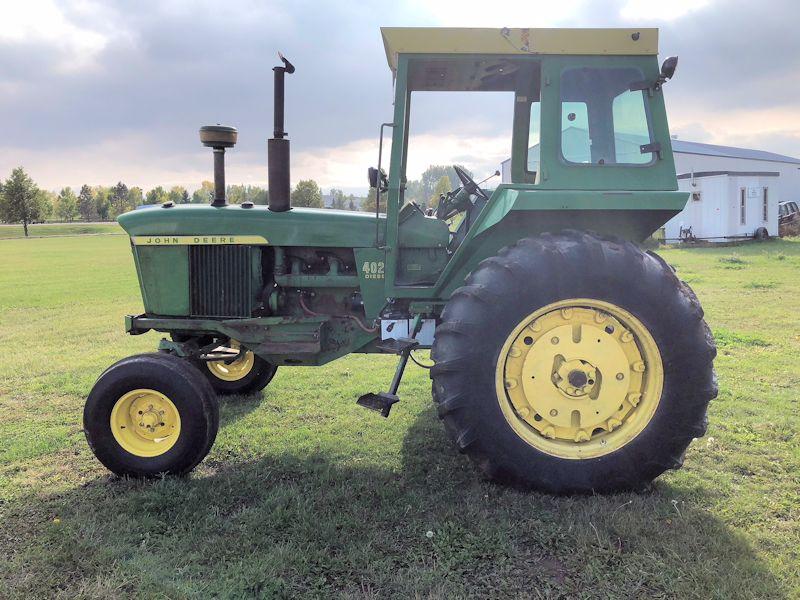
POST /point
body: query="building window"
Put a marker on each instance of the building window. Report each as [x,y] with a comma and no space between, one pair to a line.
[743,207]
[696,197]
[765,207]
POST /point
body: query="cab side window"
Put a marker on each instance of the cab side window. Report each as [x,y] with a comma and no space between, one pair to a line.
[603,122]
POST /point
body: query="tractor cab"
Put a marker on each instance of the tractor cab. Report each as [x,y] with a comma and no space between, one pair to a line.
[587,116]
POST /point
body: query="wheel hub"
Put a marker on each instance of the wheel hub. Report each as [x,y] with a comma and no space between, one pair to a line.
[575,377]
[236,369]
[145,422]
[575,374]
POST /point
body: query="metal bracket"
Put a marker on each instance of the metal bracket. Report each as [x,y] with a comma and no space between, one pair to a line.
[654,148]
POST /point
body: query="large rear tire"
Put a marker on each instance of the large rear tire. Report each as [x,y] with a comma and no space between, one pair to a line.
[573,363]
[151,414]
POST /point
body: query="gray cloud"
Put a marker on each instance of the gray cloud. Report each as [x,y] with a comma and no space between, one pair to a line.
[169,67]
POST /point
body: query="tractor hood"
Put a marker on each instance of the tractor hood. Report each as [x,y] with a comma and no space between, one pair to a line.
[163,224]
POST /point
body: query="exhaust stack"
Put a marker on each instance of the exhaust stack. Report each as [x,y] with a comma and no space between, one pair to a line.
[278,147]
[218,137]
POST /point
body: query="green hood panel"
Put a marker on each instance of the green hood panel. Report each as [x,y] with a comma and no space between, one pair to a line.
[296,227]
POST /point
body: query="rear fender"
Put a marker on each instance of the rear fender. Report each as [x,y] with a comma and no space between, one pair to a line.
[516,211]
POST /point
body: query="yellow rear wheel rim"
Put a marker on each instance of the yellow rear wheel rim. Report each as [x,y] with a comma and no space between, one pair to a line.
[579,378]
[145,423]
[236,370]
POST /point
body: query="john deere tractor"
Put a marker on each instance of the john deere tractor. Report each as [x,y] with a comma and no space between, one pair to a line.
[565,357]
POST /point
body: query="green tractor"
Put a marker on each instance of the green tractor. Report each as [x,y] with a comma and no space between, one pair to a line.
[565,358]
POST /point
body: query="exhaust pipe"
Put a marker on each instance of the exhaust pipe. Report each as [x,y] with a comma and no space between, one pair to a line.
[278,147]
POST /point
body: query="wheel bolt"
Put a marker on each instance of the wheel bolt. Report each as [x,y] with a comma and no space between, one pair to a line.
[620,376]
[554,340]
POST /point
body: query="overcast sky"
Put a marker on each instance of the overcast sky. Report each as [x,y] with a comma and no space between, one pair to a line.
[97,92]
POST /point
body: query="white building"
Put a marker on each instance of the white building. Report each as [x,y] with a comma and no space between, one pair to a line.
[735,190]
[726,205]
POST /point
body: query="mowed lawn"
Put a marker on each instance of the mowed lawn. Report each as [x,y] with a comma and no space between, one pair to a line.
[59,229]
[307,495]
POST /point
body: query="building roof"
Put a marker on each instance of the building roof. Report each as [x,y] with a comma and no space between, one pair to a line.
[507,41]
[684,147]
[699,174]
[730,152]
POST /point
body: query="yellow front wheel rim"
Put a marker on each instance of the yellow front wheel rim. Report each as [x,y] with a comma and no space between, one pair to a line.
[579,378]
[145,423]
[235,370]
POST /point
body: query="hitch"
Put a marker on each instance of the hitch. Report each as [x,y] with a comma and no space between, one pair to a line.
[383,401]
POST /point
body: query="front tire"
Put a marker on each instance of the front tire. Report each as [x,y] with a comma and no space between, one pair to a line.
[572,363]
[151,414]
[247,374]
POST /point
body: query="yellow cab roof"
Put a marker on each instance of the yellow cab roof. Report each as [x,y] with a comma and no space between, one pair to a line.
[508,41]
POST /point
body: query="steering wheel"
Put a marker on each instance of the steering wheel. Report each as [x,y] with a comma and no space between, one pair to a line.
[469,183]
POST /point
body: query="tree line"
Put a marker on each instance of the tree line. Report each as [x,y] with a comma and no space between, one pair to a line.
[22,201]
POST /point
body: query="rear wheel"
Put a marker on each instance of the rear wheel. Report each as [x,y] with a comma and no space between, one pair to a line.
[151,414]
[245,375]
[573,363]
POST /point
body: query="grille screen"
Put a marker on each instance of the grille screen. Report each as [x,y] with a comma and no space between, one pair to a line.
[220,281]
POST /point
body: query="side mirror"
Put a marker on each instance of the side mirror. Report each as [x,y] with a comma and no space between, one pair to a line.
[377,178]
[668,68]
[667,71]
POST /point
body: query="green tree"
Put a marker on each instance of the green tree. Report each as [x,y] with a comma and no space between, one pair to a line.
[135,197]
[86,205]
[339,200]
[156,196]
[102,202]
[118,199]
[307,193]
[67,205]
[351,202]
[259,195]
[176,194]
[204,193]
[432,176]
[414,192]
[368,205]
[442,187]
[21,201]
[48,202]
[236,194]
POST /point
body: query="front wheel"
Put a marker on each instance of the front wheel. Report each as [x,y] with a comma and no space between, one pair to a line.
[574,363]
[151,414]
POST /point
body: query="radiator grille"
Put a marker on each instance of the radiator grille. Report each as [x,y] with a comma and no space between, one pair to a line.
[220,280]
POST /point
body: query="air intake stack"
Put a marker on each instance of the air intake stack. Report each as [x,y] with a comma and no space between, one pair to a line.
[218,137]
[278,147]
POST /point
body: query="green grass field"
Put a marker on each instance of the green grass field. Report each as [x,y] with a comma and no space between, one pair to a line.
[306,494]
[58,229]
